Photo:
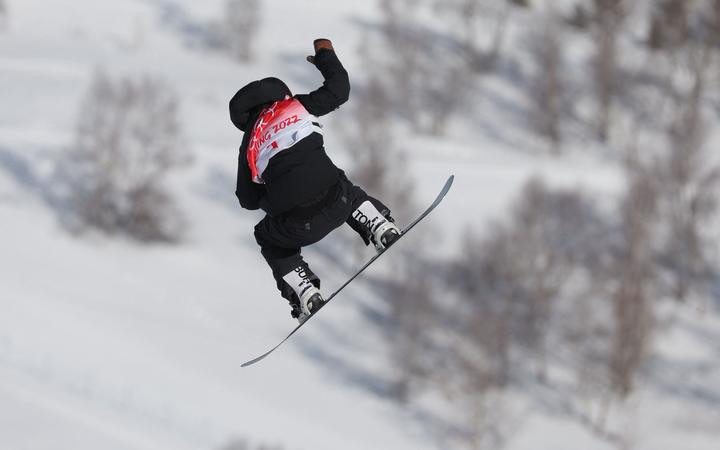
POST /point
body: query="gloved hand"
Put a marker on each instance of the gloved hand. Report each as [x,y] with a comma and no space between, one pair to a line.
[319,44]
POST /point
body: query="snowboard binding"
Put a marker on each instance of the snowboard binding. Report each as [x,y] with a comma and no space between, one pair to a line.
[307,304]
[385,234]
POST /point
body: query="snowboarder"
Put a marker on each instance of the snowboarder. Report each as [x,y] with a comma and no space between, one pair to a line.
[284,170]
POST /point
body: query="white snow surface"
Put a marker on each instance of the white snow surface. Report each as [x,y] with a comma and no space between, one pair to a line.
[108,344]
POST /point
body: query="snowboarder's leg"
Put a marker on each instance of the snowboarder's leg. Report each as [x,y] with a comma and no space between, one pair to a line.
[281,238]
[295,281]
[370,218]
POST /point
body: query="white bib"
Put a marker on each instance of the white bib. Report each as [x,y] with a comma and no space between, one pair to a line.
[278,128]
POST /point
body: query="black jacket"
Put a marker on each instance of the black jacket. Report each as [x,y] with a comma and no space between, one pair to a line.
[298,175]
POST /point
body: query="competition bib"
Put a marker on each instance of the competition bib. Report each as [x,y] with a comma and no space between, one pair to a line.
[278,128]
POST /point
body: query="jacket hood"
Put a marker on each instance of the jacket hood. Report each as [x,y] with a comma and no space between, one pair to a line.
[245,103]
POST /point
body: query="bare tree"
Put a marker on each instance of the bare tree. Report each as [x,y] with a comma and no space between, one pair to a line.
[128,141]
[413,312]
[402,68]
[242,22]
[634,271]
[432,67]
[609,16]
[498,307]
[464,20]
[547,88]
[514,277]
[691,190]
[712,22]
[669,24]
[609,323]
[3,14]
[552,234]
[375,153]
[580,17]
[444,95]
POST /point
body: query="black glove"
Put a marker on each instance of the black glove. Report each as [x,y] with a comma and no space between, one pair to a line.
[319,44]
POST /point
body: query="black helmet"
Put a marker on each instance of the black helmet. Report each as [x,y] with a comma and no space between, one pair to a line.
[246,102]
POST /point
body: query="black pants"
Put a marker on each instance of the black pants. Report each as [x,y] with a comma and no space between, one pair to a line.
[282,237]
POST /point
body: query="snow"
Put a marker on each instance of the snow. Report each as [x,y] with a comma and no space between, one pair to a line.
[105,343]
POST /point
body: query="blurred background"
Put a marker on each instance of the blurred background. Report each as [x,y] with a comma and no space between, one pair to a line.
[564,296]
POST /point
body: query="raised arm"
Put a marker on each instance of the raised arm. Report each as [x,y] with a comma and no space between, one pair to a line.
[336,88]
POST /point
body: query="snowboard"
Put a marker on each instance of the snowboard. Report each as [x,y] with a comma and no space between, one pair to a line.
[404,232]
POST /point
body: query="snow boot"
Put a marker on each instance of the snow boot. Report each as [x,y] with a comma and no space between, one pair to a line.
[307,298]
[381,228]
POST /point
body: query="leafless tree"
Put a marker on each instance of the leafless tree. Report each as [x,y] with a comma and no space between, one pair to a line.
[580,17]
[634,265]
[552,234]
[371,145]
[450,349]
[547,88]
[464,20]
[712,22]
[241,25]
[413,313]
[431,67]
[408,49]
[608,325]
[669,26]
[609,16]
[513,278]
[128,141]
[444,95]
[3,14]
[498,308]
[691,187]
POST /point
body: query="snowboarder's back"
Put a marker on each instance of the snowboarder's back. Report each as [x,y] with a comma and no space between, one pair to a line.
[297,173]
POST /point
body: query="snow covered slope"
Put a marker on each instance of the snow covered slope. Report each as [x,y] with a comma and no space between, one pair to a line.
[107,344]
